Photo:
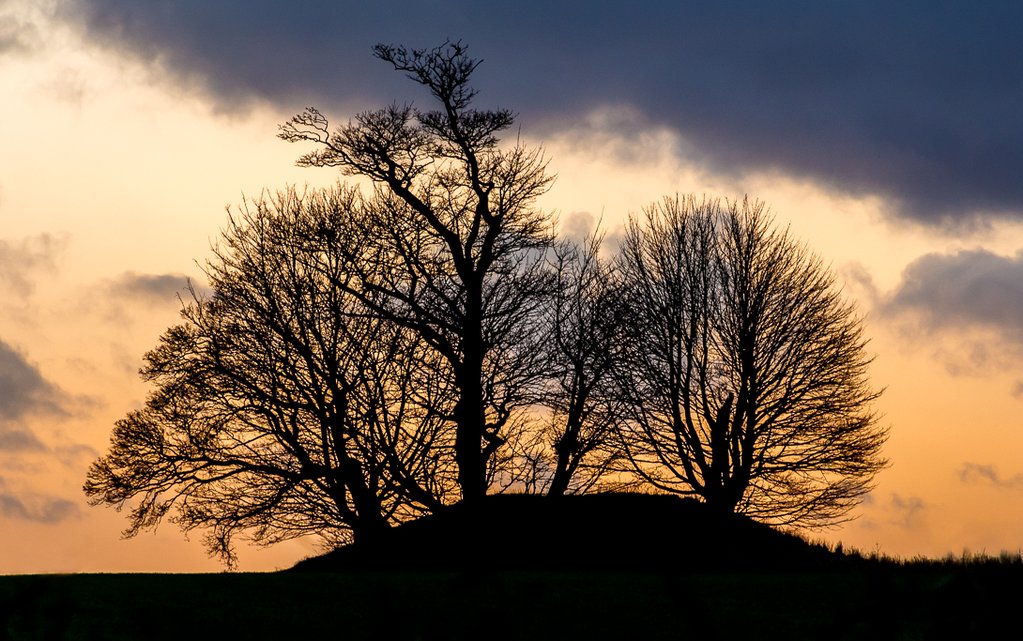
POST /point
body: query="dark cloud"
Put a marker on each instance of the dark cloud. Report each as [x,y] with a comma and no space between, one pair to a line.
[968,289]
[22,261]
[916,101]
[24,392]
[153,287]
[38,509]
[15,439]
[966,307]
[975,473]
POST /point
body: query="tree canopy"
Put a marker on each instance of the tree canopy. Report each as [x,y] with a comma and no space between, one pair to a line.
[365,356]
[281,406]
[745,371]
[455,213]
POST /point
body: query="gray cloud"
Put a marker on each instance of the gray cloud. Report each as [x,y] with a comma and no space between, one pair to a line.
[967,307]
[16,439]
[17,34]
[860,283]
[22,261]
[74,454]
[38,509]
[907,509]
[973,288]
[976,473]
[24,392]
[129,298]
[153,287]
[908,512]
[916,101]
[578,226]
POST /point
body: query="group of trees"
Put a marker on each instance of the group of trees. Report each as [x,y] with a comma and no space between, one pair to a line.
[367,356]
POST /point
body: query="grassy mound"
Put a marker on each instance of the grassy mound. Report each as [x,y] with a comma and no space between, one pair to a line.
[533,568]
[599,532]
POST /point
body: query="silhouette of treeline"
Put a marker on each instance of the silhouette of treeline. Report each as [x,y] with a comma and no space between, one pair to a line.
[368,356]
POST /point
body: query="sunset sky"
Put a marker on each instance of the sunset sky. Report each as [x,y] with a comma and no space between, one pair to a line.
[888,138]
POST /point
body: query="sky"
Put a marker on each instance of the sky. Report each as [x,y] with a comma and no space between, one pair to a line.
[888,138]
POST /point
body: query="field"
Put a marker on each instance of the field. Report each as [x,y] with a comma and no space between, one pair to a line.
[874,601]
[534,568]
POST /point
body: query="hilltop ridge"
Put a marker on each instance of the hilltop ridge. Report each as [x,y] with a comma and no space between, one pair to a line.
[597,532]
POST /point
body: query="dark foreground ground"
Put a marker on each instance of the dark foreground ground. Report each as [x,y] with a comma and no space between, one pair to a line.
[782,589]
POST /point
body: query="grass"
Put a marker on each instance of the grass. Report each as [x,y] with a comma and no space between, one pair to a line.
[910,600]
[611,567]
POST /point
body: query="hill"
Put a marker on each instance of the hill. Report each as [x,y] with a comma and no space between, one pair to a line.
[533,568]
[598,532]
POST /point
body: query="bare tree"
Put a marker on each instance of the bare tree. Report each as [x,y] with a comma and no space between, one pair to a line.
[281,407]
[456,211]
[573,446]
[745,371]
[367,356]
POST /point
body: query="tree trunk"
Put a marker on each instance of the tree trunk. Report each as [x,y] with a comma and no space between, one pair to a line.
[369,526]
[368,519]
[717,486]
[471,412]
[471,422]
[563,468]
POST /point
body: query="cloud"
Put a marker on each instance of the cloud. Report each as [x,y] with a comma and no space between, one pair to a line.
[22,261]
[18,33]
[74,454]
[902,511]
[966,308]
[968,288]
[15,439]
[132,301]
[972,299]
[912,101]
[24,392]
[858,280]
[38,509]
[578,226]
[152,287]
[974,473]
[908,510]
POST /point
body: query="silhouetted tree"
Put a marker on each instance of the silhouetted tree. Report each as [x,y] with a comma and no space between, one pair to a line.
[281,406]
[573,445]
[369,355]
[456,212]
[745,372]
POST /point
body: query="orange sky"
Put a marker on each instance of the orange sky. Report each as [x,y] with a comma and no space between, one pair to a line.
[113,175]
